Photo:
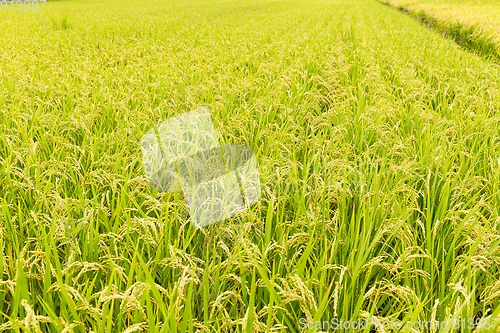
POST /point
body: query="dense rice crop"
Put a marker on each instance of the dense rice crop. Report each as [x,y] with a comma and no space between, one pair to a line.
[474,24]
[378,142]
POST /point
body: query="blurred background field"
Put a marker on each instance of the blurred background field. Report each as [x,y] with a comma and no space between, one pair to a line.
[473,23]
[378,145]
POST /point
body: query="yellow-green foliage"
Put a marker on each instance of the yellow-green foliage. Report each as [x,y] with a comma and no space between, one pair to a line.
[472,22]
[378,142]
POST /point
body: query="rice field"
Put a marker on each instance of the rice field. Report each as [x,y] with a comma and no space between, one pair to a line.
[379,157]
[473,24]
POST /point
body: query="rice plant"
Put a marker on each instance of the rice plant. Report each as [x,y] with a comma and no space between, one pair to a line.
[379,160]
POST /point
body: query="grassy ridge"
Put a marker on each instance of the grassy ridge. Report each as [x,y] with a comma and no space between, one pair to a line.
[473,24]
[377,140]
